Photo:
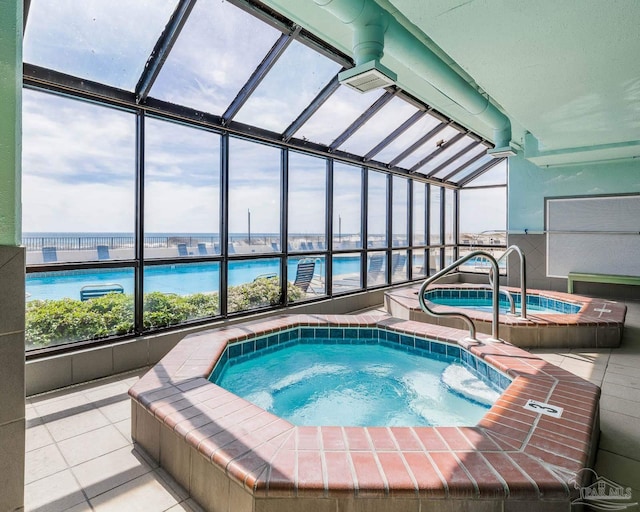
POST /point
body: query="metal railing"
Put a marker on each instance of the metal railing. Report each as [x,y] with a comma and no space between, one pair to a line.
[495,296]
[523,277]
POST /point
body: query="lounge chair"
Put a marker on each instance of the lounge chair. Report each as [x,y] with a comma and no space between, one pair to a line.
[103,252]
[397,264]
[92,291]
[230,248]
[182,250]
[303,246]
[304,274]
[321,246]
[310,246]
[202,249]
[376,271]
[49,254]
[275,247]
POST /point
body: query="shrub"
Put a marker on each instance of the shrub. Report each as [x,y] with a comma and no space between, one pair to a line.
[51,322]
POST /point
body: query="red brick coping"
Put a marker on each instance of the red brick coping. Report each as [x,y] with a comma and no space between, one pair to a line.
[598,324]
[228,452]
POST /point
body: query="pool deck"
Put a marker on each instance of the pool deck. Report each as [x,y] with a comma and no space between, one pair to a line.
[80,455]
[227,451]
[598,324]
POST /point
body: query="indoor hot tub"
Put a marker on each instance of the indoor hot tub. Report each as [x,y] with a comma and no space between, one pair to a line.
[232,454]
[554,319]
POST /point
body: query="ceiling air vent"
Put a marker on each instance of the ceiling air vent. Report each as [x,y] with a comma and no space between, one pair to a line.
[367,77]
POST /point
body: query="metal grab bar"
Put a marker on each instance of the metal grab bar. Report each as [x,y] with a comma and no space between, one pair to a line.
[467,320]
[512,303]
[523,277]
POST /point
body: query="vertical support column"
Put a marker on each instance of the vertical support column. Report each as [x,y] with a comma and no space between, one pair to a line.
[139,238]
[224,222]
[12,262]
[284,225]
[328,267]
[364,226]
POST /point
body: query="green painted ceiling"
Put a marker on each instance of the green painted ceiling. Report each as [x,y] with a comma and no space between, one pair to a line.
[567,72]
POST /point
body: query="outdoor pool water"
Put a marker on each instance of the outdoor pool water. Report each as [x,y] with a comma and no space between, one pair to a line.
[481,300]
[181,279]
[337,383]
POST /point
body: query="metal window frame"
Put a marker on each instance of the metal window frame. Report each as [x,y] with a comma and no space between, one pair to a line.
[142,106]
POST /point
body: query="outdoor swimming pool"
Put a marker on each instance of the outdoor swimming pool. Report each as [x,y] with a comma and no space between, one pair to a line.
[181,279]
[339,383]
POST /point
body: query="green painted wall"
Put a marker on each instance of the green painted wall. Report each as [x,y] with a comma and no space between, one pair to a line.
[10,121]
[529,185]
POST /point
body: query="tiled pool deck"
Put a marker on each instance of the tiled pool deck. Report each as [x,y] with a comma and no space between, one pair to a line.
[231,455]
[598,324]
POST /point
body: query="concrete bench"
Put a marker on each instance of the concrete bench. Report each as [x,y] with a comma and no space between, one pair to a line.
[600,278]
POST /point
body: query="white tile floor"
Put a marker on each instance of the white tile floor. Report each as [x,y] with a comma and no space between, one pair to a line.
[79,454]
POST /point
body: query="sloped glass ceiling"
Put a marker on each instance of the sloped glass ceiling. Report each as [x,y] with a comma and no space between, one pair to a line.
[241,63]
[106,42]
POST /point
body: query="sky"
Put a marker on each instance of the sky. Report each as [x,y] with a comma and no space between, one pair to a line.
[79,158]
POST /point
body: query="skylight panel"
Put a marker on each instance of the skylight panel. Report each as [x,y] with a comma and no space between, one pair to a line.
[495,176]
[431,145]
[470,169]
[411,135]
[106,42]
[336,114]
[460,161]
[295,79]
[448,150]
[218,49]
[383,122]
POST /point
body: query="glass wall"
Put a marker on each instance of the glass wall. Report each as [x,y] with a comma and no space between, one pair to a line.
[182,191]
[78,180]
[205,255]
[419,217]
[399,209]
[487,231]
[377,209]
[347,206]
[307,202]
[254,198]
[419,253]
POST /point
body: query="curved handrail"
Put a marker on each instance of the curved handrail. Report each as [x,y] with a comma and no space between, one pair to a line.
[467,319]
[512,303]
[523,277]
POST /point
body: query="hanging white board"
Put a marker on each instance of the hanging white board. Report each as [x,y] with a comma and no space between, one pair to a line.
[593,234]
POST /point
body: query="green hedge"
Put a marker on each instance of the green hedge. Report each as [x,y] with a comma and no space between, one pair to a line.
[51,322]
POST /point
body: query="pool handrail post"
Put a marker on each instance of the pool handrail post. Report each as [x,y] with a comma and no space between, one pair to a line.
[495,299]
[523,277]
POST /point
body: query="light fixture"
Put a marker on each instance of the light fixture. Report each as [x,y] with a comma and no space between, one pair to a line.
[502,151]
[367,77]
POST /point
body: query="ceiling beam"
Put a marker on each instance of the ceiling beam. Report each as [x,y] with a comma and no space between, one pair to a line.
[480,172]
[430,134]
[312,108]
[453,158]
[258,75]
[362,119]
[163,47]
[437,151]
